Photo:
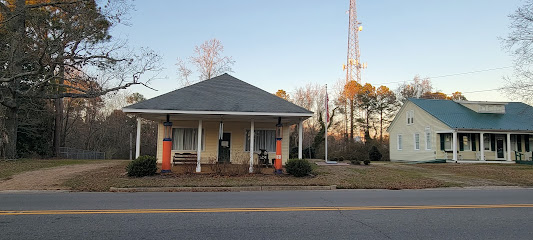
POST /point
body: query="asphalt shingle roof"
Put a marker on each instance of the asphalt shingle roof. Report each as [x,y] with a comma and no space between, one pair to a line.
[222,93]
[518,116]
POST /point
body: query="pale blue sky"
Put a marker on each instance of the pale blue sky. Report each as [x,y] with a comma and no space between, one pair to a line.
[284,44]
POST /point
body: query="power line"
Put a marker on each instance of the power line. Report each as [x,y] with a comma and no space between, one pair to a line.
[486,90]
[501,88]
[455,74]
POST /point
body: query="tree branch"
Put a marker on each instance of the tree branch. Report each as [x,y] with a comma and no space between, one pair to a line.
[54,4]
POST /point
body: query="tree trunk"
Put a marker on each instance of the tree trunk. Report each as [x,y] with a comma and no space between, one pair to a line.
[59,106]
[10,135]
[381,126]
[58,125]
[351,119]
[17,26]
[66,119]
[345,123]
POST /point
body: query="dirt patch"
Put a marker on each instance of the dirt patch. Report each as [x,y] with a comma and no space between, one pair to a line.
[50,178]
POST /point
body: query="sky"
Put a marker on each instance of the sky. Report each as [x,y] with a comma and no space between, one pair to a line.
[286,44]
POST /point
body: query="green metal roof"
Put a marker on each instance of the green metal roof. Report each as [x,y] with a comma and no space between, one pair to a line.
[518,116]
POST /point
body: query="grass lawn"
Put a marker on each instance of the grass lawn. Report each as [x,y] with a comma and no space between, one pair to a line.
[12,167]
[374,176]
[506,174]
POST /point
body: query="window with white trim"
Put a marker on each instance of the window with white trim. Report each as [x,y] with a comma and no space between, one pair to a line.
[514,143]
[410,117]
[428,138]
[186,139]
[399,142]
[486,142]
[417,141]
[466,142]
[447,142]
[263,139]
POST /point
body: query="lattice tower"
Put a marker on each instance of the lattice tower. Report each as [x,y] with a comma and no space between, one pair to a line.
[353,62]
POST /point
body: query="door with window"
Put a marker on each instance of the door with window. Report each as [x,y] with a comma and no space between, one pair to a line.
[500,148]
[224,146]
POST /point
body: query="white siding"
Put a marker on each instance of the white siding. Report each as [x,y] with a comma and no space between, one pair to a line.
[421,120]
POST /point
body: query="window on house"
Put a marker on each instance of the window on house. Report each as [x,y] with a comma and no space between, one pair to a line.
[446,141]
[428,138]
[410,117]
[513,142]
[486,142]
[528,141]
[465,142]
[417,141]
[399,142]
[519,143]
[186,139]
[263,139]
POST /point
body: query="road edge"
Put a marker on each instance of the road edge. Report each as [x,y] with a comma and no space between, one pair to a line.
[222,189]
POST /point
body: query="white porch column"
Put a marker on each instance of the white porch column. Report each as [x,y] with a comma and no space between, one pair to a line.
[508,147]
[252,137]
[138,140]
[199,147]
[481,147]
[300,139]
[454,145]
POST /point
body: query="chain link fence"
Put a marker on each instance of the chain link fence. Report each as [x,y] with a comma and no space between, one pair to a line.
[73,153]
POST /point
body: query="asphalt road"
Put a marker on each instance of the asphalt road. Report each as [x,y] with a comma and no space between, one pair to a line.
[427,214]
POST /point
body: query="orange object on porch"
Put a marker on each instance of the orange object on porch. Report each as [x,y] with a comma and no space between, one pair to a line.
[167,147]
[279,135]
[278,162]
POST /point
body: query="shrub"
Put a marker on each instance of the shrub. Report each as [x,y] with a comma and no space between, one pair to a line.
[298,167]
[374,154]
[142,166]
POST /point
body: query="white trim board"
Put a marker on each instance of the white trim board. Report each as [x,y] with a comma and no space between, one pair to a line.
[130,110]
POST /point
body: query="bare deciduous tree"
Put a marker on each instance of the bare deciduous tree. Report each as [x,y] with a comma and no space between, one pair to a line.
[208,61]
[415,89]
[519,43]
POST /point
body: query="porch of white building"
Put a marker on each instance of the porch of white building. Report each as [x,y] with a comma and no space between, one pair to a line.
[212,133]
[481,146]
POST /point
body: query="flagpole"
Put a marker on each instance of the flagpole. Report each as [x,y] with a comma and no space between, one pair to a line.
[326,114]
[326,125]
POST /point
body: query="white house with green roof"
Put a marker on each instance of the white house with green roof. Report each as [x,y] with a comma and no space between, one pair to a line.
[461,131]
[221,119]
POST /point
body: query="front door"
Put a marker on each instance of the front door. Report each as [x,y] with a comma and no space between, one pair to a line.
[500,152]
[224,146]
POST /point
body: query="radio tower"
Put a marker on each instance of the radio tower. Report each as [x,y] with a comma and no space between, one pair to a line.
[353,64]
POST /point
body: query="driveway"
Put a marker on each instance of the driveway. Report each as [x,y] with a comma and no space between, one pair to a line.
[49,178]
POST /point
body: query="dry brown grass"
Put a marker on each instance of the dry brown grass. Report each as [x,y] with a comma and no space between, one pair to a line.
[506,174]
[373,176]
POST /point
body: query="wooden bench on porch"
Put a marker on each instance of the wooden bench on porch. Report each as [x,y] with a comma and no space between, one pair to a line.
[184,158]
